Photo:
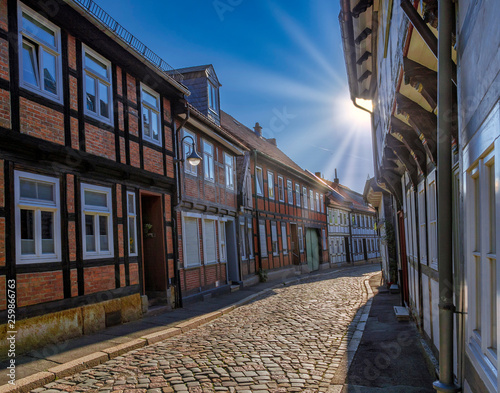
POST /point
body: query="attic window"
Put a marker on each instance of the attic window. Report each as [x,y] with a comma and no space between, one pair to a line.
[213,98]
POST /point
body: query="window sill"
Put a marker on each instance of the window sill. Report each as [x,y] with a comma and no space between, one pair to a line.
[98,120]
[100,256]
[147,139]
[31,261]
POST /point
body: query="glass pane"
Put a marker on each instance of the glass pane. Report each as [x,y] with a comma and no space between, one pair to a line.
[96,66]
[90,93]
[150,99]
[38,30]
[45,191]
[27,189]
[103,233]
[29,65]
[131,203]
[154,126]
[131,235]
[90,233]
[49,72]
[207,148]
[146,121]
[27,232]
[103,100]
[96,198]
[47,233]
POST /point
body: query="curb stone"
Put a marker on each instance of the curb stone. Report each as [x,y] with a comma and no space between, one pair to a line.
[40,379]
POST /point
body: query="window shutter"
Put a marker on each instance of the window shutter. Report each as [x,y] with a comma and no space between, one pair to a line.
[210,244]
[263,242]
[191,242]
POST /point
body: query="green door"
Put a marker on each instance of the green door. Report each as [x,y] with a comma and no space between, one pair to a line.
[312,246]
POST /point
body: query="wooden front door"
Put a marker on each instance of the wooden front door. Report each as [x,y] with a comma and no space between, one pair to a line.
[312,245]
[295,244]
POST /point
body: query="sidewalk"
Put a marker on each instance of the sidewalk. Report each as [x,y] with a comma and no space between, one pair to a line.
[42,366]
[389,357]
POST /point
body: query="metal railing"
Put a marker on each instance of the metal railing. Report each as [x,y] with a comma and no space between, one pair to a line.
[102,16]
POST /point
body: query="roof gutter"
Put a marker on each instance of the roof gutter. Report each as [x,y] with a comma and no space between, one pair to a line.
[347,31]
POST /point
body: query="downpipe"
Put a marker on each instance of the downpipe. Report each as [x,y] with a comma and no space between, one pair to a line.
[446,382]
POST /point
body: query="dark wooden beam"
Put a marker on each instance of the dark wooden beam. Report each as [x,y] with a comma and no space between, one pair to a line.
[393,184]
[422,121]
[423,79]
[361,7]
[363,58]
[401,151]
[363,35]
[365,75]
[411,138]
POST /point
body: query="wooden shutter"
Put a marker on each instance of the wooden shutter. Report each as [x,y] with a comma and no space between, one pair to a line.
[191,241]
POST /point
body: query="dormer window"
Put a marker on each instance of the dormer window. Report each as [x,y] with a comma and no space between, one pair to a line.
[213,98]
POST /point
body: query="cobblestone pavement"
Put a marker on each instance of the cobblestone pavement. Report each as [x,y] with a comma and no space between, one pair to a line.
[291,339]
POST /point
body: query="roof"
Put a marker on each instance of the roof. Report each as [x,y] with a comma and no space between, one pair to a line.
[351,196]
[200,68]
[262,145]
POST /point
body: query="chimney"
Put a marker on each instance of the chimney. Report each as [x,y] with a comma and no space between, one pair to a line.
[258,129]
[336,180]
[272,141]
[318,174]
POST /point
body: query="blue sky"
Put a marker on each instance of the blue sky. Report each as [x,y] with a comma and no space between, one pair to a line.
[280,64]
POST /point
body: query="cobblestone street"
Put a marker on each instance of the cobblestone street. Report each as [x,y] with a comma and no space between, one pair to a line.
[290,339]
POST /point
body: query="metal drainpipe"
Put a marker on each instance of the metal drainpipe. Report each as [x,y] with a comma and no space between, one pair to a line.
[177,203]
[446,382]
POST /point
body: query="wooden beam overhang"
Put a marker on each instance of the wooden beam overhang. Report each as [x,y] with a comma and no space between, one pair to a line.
[393,183]
[422,121]
[413,141]
[366,74]
[361,7]
[363,58]
[423,79]
[401,151]
[363,35]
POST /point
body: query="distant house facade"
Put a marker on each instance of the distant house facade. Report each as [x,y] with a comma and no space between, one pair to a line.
[207,207]
[287,206]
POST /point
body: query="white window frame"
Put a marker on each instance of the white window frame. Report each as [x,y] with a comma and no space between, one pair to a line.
[422,223]
[132,215]
[263,239]
[289,191]
[270,185]
[213,98]
[317,202]
[197,242]
[274,238]
[243,239]
[87,71]
[250,238]
[321,203]
[205,223]
[147,106]
[297,194]
[304,194]
[432,219]
[38,206]
[259,181]
[229,171]
[284,238]
[281,188]
[187,146]
[208,159]
[54,50]
[97,212]
[301,238]
[311,199]
[222,241]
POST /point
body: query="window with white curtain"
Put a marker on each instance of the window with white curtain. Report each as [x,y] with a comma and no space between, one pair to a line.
[222,241]
[304,194]
[209,241]
[284,239]
[289,190]
[263,238]
[274,238]
[191,242]
[281,189]
[297,195]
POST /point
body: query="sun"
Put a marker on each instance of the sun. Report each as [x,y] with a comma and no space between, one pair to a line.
[352,118]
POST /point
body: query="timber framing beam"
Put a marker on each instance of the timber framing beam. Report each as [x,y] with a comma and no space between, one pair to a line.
[423,79]
[412,139]
[401,151]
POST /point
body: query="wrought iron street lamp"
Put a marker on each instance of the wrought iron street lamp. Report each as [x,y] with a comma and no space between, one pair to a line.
[193,158]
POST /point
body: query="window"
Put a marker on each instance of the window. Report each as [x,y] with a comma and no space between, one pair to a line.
[208,161]
[187,146]
[228,165]
[432,214]
[97,222]
[213,98]
[40,54]
[304,194]
[481,263]
[191,242]
[323,234]
[311,199]
[38,222]
[263,239]
[132,224]
[289,192]
[259,182]
[250,238]
[281,189]
[151,121]
[284,239]
[317,202]
[321,203]
[301,239]
[209,241]
[222,241]
[270,184]
[243,245]
[422,224]
[274,238]
[97,86]
[297,195]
